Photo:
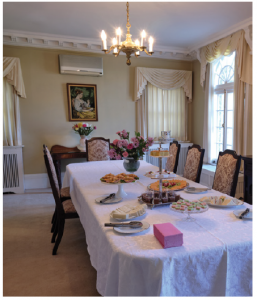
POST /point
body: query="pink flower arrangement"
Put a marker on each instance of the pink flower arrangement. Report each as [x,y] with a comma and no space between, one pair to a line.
[126,148]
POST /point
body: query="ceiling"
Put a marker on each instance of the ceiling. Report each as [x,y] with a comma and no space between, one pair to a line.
[181,25]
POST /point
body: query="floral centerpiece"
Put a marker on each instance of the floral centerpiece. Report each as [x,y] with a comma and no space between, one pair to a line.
[84,130]
[129,149]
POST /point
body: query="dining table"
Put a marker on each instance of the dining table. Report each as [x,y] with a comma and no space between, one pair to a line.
[214,260]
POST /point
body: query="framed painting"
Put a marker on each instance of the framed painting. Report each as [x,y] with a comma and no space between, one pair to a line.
[82,102]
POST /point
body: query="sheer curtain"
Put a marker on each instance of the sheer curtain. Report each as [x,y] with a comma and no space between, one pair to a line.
[166,111]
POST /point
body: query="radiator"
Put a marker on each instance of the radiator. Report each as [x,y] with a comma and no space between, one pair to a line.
[13,173]
[181,161]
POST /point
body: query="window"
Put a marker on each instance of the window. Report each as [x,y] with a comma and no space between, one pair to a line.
[223,104]
[167,110]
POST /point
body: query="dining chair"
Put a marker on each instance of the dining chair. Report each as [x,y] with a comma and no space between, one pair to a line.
[63,192]
[64,208]
[172,161]
[194,163]
[227,170]
[97,148]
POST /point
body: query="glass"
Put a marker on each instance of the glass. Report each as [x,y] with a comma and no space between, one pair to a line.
[224,69]
[229,136]
[230,118]
[220,118]
[219,135]
[130,164]
[218,149]
[230,103]
[220,101]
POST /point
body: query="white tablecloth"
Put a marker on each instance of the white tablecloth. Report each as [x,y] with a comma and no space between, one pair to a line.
[215,259]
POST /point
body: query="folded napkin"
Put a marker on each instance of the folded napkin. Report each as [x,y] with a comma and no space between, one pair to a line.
[168,235]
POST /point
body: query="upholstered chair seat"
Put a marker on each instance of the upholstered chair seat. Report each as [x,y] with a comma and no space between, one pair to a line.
[97,149]
[194,163]
[68,206]
[65,192]
[172,161]
[226,175]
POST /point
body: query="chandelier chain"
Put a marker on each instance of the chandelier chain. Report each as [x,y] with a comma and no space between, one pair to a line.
[128,24]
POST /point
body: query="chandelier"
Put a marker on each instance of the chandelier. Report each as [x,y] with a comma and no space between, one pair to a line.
[128,46]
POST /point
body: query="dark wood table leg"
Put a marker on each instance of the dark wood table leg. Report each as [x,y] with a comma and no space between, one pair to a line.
[57,164]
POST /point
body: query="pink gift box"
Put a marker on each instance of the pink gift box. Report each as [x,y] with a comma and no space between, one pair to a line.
[168,235]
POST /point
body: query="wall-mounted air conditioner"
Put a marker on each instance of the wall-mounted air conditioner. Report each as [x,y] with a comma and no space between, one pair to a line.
[81,65]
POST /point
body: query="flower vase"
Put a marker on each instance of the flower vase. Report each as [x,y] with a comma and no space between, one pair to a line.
[82,143]
[130,164]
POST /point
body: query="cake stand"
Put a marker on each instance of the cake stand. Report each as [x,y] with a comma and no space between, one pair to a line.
[160,176]
[120,193]
[189,218]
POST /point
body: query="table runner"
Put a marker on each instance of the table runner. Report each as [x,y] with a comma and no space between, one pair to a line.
[215,259]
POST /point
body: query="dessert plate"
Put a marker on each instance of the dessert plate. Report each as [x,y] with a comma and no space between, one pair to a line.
[225,206]
[237,213]
[109,201]
[194,191]
[129,230]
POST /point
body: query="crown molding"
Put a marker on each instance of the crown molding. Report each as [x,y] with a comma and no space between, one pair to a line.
[217,36]
[51,41]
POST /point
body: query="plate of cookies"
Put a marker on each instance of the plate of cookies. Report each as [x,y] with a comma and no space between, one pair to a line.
[120,178]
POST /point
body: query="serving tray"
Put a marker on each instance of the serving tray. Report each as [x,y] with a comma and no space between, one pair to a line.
[152,205]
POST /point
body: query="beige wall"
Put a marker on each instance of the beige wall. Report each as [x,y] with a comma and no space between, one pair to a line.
[197,113]
[44,113]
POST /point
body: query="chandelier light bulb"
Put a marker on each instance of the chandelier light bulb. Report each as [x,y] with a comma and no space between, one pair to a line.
[137,44]
[118,32]
[104,42]
[143,36]
[114,42]
[150,44]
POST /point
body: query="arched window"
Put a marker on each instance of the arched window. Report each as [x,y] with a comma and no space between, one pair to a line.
[223,70]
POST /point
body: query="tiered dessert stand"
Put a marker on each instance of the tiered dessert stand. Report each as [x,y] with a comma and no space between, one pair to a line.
[161,175]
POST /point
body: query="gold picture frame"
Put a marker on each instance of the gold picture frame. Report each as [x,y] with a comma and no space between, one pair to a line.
[82,102]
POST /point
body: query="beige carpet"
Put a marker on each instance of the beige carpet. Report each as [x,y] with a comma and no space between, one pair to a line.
[29,268]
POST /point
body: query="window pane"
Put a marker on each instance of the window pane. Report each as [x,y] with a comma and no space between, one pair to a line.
[230,101]
[230,118]
[220,99]
[224,69]
[229,136]
[220,118]
[229,147]
[219,135]
[219,148]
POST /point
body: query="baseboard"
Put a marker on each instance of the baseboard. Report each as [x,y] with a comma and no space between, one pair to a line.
[37,181]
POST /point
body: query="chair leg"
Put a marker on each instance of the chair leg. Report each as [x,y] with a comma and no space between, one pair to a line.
[54,220]
[61,224]
[55,231]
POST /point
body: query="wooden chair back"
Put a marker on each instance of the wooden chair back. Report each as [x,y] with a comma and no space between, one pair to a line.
[96,149]
[194,163]
[226,174]
[53,180]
